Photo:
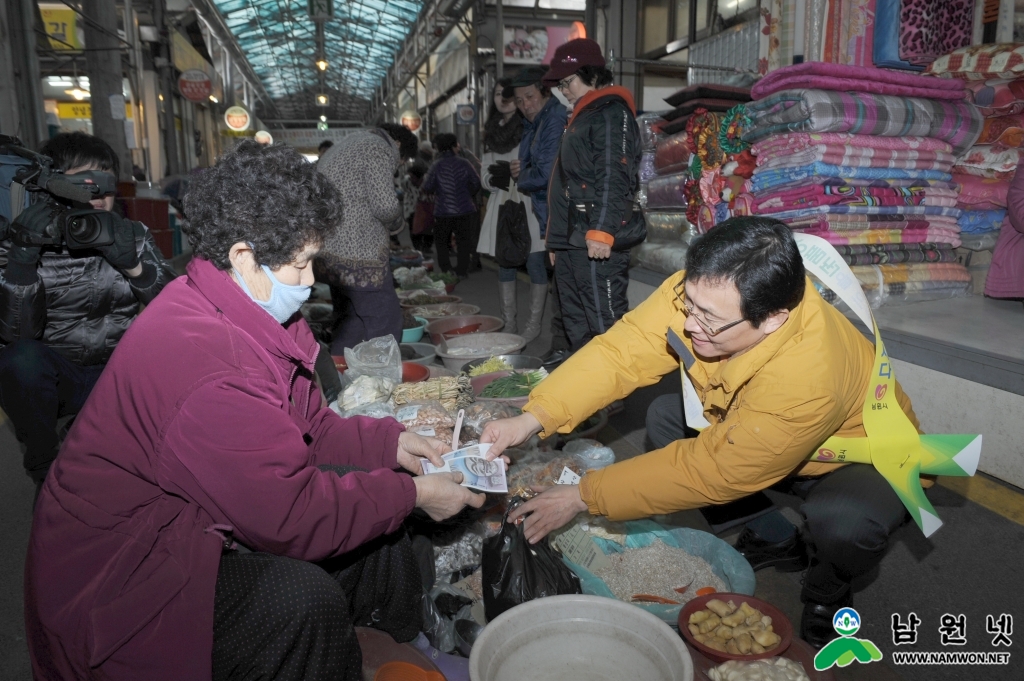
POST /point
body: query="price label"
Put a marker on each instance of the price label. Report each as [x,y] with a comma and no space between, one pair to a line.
[580,548]
[568,477]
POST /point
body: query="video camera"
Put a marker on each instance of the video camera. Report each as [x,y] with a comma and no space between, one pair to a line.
[68,222]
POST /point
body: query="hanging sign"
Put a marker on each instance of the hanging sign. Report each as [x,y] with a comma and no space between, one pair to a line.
[264,137]
[412,120]
[195,86]
[893,445]
[237,118]
[62,28]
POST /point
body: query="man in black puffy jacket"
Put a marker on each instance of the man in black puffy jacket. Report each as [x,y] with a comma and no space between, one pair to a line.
[453,181]
[63,311]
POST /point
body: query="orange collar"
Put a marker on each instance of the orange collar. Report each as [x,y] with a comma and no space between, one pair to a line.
[595,95]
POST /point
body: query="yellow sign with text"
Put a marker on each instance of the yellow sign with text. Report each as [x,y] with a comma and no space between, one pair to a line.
[62,28]
[84,110]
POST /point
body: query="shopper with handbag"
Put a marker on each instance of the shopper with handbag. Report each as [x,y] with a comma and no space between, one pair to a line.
[503,133]
[594,215]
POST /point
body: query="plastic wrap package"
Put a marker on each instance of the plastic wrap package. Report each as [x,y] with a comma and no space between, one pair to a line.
[727,564]
[591,454]
[665,258]
[378,357]
[897,294]
[375,410]
[535,471]
[672,154]
[669,226]
[365,390]
[668,191]
[986,241]
[649,132]
[461,552]
[423,414]
[416,278]
[641,195]
[647,169]
[479,413]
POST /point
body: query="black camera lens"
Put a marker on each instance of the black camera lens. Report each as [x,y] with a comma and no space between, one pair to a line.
[83,229]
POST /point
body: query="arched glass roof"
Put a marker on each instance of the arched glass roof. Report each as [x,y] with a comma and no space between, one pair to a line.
[279,40]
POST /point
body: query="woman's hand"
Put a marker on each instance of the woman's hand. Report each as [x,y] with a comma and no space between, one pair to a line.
[413,448]
[549,510]
[598,250]
[441,495]
[515,166]
[504,433]
[551,255]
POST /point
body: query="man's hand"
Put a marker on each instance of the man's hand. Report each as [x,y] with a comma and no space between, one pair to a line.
[598,250]
[441,495]
[504,433]
[413,448]
[122,254]
[551,255]
[515,166]
[549,510]
[30,227]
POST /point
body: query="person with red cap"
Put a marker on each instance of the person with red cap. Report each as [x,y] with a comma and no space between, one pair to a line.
[594,216]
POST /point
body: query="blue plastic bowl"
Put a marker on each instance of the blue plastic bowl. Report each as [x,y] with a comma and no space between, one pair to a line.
[414,334]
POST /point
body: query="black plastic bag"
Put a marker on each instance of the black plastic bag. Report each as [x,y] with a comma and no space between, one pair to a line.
[513,240]
[515,572]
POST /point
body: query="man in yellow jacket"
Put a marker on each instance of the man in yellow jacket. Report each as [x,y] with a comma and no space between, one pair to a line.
[776,371]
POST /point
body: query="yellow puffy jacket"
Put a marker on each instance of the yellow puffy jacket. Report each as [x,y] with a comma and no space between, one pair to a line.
[769,408]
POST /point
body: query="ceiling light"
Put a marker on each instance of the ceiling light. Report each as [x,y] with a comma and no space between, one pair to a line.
[322,100]
[323,119]
[60,81]
[213,99]
[321,64]
[77,93]
[161,97]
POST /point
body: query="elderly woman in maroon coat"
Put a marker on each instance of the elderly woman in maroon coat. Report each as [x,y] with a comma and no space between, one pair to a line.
[208,516]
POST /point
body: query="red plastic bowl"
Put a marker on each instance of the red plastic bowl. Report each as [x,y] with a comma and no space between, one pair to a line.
[780,625]
[411,371]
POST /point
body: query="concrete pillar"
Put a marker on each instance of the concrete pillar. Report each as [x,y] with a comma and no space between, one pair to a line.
[21,96]
[106,78]
[164,71]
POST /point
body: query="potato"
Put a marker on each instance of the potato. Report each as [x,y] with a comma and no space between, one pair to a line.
[715,644]
[768,639]
[710,624]
[719,608]
[699,616]
[695,630]
[732,648]
[747,610]
[756,648]
[741,629]
[753,619]
[734,619]
[767,621]
[743,642]
[723,632]
[700,637]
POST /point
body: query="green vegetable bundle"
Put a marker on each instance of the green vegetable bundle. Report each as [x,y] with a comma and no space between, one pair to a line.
[514,385]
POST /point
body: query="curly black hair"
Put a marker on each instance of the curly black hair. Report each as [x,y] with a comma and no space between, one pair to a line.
[269,196]
[408,145]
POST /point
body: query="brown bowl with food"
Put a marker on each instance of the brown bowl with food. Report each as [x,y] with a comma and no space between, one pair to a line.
[718,617]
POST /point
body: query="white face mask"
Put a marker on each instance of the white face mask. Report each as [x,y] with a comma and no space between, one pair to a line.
[285,299]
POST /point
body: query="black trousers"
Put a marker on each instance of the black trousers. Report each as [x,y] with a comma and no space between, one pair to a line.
[289,620]
[592,293]
[38,385]
[362,315]
[462,226]
[559,341]
[850,513]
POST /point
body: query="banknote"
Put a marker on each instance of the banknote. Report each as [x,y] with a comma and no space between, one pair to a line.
[477,471]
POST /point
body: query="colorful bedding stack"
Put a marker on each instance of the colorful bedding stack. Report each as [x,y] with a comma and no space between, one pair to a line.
[862,157]
[993,77]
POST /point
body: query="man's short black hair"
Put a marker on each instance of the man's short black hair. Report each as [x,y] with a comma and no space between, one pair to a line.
[76,149]
[759,256]
[266,195]
[408,145]
[446,141]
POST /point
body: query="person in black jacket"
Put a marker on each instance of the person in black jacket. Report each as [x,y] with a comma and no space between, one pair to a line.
[594,215]
[62,311]
[454,182]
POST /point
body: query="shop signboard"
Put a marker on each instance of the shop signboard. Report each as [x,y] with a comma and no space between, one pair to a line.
[465,114]
[195,85]
[537,44]
[237,118]
[186,58]
[83,110]
[62,27]
[412,120]
[451,68]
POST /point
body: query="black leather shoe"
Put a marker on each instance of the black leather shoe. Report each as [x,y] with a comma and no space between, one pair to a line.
[816,621]
[789,555]
[555,357]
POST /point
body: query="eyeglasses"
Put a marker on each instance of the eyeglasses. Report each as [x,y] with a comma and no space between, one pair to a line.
[565,82]
[688,309]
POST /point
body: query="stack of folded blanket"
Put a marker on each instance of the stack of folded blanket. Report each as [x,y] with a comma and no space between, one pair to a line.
[862,157]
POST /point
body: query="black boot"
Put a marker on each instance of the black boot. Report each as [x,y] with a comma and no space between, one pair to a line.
[824,594]
[789,555]
[555,357]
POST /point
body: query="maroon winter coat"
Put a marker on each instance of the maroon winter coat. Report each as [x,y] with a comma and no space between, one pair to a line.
[206,419]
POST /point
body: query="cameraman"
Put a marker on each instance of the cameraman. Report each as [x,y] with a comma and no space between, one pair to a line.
[63,311]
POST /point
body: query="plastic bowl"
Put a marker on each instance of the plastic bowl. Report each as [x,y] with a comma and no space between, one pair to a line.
[483,380]
[446,310]
[414,334]
[440,329]
[424,353]
[519,362]
[578,637]
[411,371]
[458,350]
[780,625]
[410,302]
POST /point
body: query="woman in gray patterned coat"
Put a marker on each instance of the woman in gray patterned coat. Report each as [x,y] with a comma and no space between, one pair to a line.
[354,261]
